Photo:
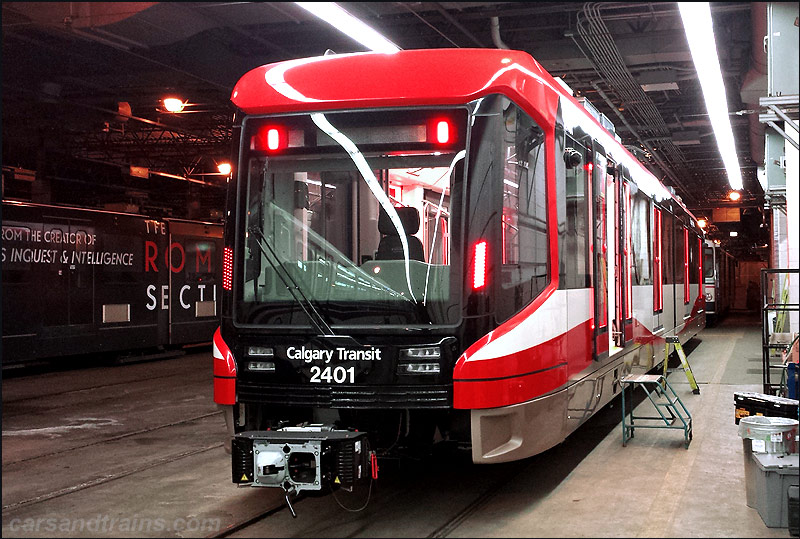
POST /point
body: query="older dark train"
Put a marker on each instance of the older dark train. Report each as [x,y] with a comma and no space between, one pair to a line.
[79,281]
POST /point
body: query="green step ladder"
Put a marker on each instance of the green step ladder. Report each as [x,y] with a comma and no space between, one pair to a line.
[672,414]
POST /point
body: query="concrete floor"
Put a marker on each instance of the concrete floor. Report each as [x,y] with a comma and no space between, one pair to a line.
[654,487]
[137,451]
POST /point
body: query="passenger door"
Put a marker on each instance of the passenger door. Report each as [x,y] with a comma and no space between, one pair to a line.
[600,255]
[195,262]
[624,313]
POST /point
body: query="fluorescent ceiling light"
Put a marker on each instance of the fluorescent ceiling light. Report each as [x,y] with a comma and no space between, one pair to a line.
[337,17]
[700,35]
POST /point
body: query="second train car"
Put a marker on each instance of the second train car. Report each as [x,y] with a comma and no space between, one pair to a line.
[719,281]
[434,244]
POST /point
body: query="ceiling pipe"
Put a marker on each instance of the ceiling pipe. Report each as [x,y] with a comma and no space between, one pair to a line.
[432,27]
[656,156]
[496,34]
[449,18]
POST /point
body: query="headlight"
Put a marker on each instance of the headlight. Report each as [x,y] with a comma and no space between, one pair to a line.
[261,366]
[421,360]
[418,368]
[425,352]
[260,351]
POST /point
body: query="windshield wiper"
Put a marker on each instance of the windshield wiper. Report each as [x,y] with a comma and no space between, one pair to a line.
[308,307]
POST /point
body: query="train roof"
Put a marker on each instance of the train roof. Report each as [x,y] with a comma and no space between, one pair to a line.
[67,207]
[440,77]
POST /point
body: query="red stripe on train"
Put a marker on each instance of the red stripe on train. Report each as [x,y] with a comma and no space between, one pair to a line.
[531,373]
[523,375]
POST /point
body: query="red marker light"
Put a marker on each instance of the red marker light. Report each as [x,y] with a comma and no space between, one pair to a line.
[479,266]
[373,464]
[273,139]
[442,132]
[227,268]
[270,138]
[588,167]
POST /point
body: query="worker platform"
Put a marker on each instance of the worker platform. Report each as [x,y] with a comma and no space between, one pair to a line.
[672,413]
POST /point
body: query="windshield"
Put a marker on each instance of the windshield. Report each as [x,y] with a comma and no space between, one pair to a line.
[350,217]
[708,263]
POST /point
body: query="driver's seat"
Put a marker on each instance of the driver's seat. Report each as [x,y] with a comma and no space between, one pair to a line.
[390,246]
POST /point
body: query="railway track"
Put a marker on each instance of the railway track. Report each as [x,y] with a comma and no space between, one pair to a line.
[115,438]
[90,388]
[108,478]
[246,523]
[452,522]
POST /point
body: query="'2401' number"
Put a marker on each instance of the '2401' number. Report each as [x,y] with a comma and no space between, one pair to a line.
[338,375]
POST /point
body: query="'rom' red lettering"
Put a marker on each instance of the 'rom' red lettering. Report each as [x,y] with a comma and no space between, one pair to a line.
[150,259]
[203,256]
[168,258]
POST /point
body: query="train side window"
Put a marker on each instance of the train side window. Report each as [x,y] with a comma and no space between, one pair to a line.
[600,240]
[640,238]
[678,252]
[573,238]
[18,265]
[686,264]
[123,272]
[658,261]
[667,256]
[82,276]
[695,266]
[700,244]
[524,219]
[708,263]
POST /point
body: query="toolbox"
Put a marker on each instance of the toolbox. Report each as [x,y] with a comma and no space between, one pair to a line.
[748,403]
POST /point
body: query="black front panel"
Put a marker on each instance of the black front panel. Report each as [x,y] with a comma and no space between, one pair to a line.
[356,397]
[342,372]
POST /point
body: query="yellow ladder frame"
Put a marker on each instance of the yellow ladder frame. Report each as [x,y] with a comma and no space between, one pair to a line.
[684,363]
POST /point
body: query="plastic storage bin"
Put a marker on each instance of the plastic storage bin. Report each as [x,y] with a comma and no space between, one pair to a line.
[773,475]
[764,435]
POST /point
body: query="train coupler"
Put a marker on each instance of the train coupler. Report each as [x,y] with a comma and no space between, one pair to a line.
[297,459]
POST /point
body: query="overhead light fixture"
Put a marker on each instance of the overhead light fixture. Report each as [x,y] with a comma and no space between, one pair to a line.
[224,168]
[734,234]
[702,223]
[173,104]
[340,19]
[700,35]
[734,195]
